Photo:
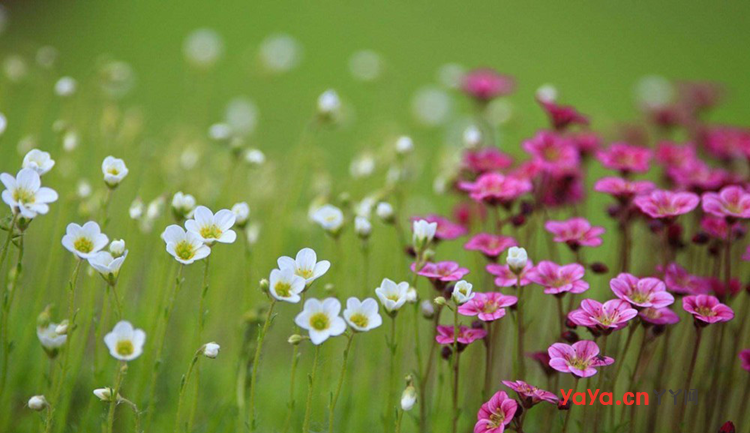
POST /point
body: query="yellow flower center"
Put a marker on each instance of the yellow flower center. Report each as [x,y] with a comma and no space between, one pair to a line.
[705,311]
[184,250]
[359,319]
[113,171]
[283,289]
[124,348]
[319,322]
[210,232]
[392,297]
[639,297]
[497,419]
[22,195]
[304,273]
[83,245]
[579,363]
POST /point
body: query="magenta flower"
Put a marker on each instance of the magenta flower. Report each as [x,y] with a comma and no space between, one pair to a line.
[731,202]
[542,357]
[485,84]
[579,359]
[745,359]
[446,229]
[696,175]
[625,158]
[441,271]
[675,155]
[530,394]
[494,415]
[659,316]
[641,292]
[586,142]
[553,153]
[486,159]
[718,228]
[495,188]
[679,280]
[613,314]
[557,279]
[490,245]
[667,204]
[719,287]
[707,308]
[466,335]
[487,306]
[562,116]
[726,142]
[506,278]
[575,232]
[622,189]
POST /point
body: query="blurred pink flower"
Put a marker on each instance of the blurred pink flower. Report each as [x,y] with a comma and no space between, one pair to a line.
[586,142]
[614,314]
[726,142]
[707,308]
[575,232]
[487,306]
[495,188]
[731,202]
[719,287]
[677,155]
[623,189]
[497,413]
[641,292]
[679,280]
[506,278]
[562,116]
[446,229]
[486,159]
[466,335]
[579,359]
[442,271]
[562,189]
[659,316]
[625,158]
[490,245]
[553,153]
[529,393]
[666,204]
[696,175]
[718,228]
[558,279]
[486,84]
[745,359]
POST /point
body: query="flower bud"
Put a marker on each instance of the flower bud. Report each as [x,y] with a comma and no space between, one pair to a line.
[570,336]
[408,398]
[411,295]
[727,427]
[362,227]
[241,213]
[472,137]
[264,285]
[384,211]
[462,292]
[117,248]
[255,157]
[211,350]
[516,259]
[295,339]
[440,301]
[404,145]
[62,328]
[329,105]
[424,232]
[37,403]
[104,394]
[43,319]
[599,268]
[428,310]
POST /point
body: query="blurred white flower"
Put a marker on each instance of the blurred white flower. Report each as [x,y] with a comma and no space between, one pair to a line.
[203,48]
[516,259]
[37,403]
[15,68]
[462,292]
[384,211]
[212,228]
[25,193]
[280,53]
[114,171]
[546,93]
[408,398]
[404,145]
[321,319]
[362,166]
[39,161]
[70,141]
[392,295]
[305,264]
[252,232]
[117,78]
[329,217]
[254,157]
[411,295]
[136,209]
[154,208]
[242,116]
[84,241]
[362,316]
[654,91]
[124,342]
[472,137]
[183,204]
[451,75]
[431,106]
[66,86]
[285,285]
[211,350]
[117,248]
[364,207]
[329,105]
[423,233]
[220,132]
[51,341]
[189,158]
[46,56]
[3,123]
[83,189]
[362,227]
[365,65]
[104,394]
[241,212]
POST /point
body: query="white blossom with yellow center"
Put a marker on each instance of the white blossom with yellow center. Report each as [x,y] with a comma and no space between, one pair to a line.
[185,247]
[321,319]
[285,285]
[124,342]
[362,316]
[25,193]
[84,241]
[210,227]
[393,296]
[305,264]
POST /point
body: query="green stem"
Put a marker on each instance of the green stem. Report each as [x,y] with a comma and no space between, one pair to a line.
[118,302]
[201,326]
[455,369]
[7,302]
[115,393]
[183,385]
[520,350]
[292,377]
[335,397]
[311,383]
[570,409]
[398,421]
[390,404]
[677,426]
[256,361]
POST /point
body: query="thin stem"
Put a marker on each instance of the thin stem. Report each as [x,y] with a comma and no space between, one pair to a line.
[201,326]
[561,314]
[600,382]
[7,301]
[183,385]
[488,362]
[256,361]
[292,377]
[118,302]
[390,404]
[677,421]
[335,397]
[455,369]
[567,415]
[520,350]
[398,421]
[311,383]
[115,393]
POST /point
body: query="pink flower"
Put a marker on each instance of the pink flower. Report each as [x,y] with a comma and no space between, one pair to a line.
[586,142]
[659,316]
[613,314]
[506,278]
[562,116]
[696,175]
[719,228]
[675,155]
[575,232]
[446,229]
[466,335]
[558,279]
[529,393]
[641,292]
[442,271]
[726,142]
[495,188]
[731,202]
[678,280]
[707,308]
[745,359]
[490,245]
[579,359]
[487,306]
[553,153]
[542,357]
[562,189]
[623,189]
[485,84]
[625,158]
[719,287]
[494,415]
[667,204]
[486,159]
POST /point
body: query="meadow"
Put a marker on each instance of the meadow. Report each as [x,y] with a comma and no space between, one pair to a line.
[192,198]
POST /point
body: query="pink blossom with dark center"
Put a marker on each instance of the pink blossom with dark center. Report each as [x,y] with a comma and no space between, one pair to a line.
[586,142]
[490,245]
[558,279]
[679,280]
[696,175]
[506,278]
[486,159]
[641,292]
[553,153]
[731,202]
[613,314]
[486,84]
[466,335]
[562,189]
[580,359]
[659,316]
[707,309]
[671,154]
[718,228]
[575,232]
[495,188]
[625,158]
[745,359]
[446,229]
[562,116]
[487,306]
[666,204]
[623,189]
[529,393]
[497,413]
[441,271]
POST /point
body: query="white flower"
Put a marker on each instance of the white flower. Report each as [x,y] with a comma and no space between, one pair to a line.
[25,193]
[117,248]
[70,141]
[124,342]
[104,394]
[136,209]
[362,316]
[107,265]
[462,292]
[62,327]
[254,157]
[424,232]
[220,132]
[516,260]
[384,211]
[212,228]
[183,204]
[548,93]
[392,295]
[285,286]
[305,264]
[329,104]
[185,247]
[252,233]
[39,161]
[49,338]
[408,398]
[404,145]
[321,319]
[154,208]
[472,137]
[411,295]
[37,403]
[211,350]
[114,171]
[3,123]
[364,207]
[241,212]
[84,241]
[203,48]
[83,189]
[66,86]
[329,217]
[362,227]
[362,166]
